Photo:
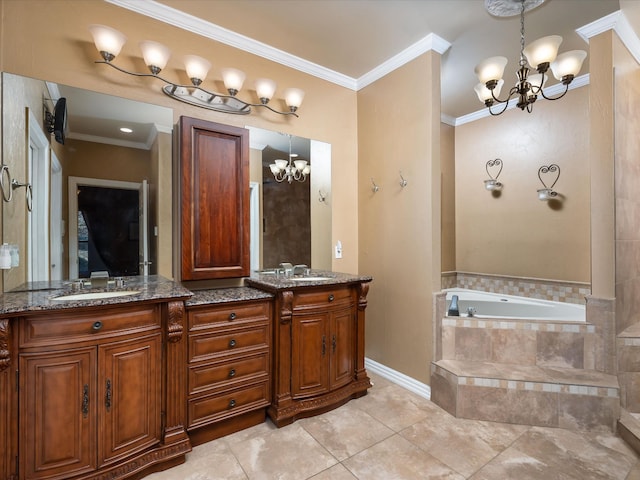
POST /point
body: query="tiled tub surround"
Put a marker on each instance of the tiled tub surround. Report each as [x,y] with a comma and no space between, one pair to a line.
[518,371]
[555,290]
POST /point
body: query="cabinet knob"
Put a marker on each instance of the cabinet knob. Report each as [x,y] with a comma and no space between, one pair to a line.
[96,326]
[232,316]
[232,343]
[232,403]
[331,297]
[232,373]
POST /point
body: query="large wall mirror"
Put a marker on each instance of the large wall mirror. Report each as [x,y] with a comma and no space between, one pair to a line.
[66,234]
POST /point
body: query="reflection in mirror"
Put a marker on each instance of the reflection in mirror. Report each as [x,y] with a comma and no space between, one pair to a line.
[293,225]
[94,149]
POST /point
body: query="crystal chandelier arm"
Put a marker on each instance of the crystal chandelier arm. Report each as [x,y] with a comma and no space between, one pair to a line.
[246,108]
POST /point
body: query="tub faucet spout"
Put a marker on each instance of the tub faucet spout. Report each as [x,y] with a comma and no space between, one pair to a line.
[453,311]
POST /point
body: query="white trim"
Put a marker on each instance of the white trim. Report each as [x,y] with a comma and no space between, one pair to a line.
[430,42]
[210,30]
[398,378]
[596,27]
[108,140]
[616,21]
[256,221]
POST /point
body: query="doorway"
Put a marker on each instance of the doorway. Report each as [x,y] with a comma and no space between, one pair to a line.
[107,227]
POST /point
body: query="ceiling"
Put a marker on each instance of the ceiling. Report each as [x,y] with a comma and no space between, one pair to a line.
[353,37]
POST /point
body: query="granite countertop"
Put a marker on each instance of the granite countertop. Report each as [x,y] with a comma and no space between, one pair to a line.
[275,282]
[41,295]
[224,295]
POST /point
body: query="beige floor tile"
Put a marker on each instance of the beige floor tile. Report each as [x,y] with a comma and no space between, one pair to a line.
[396,407]
[513,464]
[288,453]
[398,459]
[337,472]
[346,431]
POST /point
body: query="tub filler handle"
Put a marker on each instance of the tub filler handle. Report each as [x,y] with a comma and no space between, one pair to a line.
[453,311]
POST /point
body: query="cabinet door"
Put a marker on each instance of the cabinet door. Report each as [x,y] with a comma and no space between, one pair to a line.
[129,389]
[58,413]
[342,365]
[310,351]
[214,161]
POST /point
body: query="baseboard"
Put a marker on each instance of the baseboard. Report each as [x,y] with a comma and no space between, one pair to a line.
[398,378]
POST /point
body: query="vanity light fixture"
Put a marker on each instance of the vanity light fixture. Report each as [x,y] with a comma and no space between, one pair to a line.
[547,193]
[109,42]
[493,168]
[290,170]
[543,54]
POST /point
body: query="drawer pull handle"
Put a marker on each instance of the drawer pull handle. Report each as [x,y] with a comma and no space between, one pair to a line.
[324,345]
[85,401]
[331,297]
[232,373]
[96,326]
[334,343]
[232,403]
[232,343]
[232,316]
[107,397]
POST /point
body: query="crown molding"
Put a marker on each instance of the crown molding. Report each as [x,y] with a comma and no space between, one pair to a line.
[187,22]
[430,42]
[596,27]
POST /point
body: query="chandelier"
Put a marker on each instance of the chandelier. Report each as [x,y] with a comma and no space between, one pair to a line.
[290,170]
[543,54]
[109,42]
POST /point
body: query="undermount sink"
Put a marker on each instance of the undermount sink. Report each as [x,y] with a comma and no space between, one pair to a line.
[95,295]
[309,279]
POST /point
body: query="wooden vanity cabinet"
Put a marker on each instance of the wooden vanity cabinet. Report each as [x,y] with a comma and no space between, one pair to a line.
[229,367]
[214,200]
[319,345]
[91,393]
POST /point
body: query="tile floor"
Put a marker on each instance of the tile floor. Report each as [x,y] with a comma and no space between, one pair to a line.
[393,434]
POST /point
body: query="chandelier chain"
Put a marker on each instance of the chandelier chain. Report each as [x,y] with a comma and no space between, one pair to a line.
[523,62]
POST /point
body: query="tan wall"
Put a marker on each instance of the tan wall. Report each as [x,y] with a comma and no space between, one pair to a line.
[48,39]
[399,130]
[448,161]
[627,186]
[516,234]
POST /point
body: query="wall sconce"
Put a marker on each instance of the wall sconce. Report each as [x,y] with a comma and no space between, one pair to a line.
[547,193]
[109,42]
[494,166]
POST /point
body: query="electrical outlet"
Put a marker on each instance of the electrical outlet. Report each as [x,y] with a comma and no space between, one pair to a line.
[339,249]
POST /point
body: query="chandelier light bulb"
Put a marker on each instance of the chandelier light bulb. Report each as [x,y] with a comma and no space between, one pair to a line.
[233,80]
[568,63]
[543,51]
[491,69]
[197,68]
[293,98]
[108,41]
[155,55]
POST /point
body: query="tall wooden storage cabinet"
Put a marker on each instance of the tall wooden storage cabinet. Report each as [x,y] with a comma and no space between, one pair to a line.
[214,199]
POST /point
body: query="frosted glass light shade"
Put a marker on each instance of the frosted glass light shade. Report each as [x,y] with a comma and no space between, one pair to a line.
[484,93]
[274,168]
[155,55]
[233,79]
[568,63]
[300,164]
[293,98]
[536,81]
[281,164]
[197,68]
[306,170]
[265,88]
[543,50]
[107,40]
[491,69]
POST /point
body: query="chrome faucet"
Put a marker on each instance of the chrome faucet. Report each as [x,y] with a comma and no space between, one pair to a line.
[300,270]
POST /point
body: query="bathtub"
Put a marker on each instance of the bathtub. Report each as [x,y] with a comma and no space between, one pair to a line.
[495,305]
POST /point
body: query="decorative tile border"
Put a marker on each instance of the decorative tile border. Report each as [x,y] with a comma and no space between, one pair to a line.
[519,325]
[555,290]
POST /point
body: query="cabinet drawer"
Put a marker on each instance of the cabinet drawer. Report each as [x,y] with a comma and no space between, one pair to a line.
[223,374]
[213,408]
[209,345]
[64,328]
[322,298]
[229,314]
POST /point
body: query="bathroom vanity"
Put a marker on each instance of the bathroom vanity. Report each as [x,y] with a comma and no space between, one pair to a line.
[117,382]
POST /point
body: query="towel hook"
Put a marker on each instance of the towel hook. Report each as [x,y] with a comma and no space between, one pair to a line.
[322,197]
[375,187]
[403,182]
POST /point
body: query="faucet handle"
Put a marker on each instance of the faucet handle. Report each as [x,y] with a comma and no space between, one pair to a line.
[300,269]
